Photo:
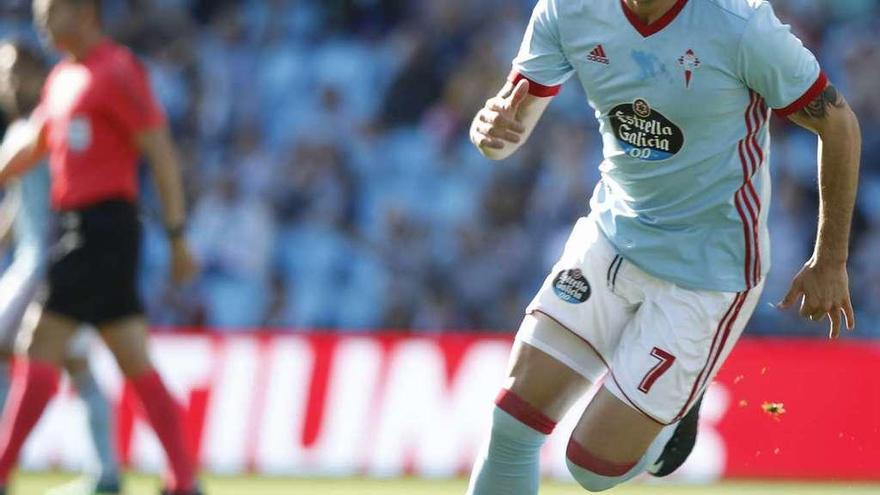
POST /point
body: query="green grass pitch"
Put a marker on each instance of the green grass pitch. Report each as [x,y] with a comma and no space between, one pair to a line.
[37,484]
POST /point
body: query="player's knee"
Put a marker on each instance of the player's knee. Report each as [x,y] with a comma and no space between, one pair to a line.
[133,368]
[591,472]
[590,481]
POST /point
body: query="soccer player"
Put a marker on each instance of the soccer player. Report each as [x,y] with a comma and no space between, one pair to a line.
[656,284]
[96,117]
[22,73]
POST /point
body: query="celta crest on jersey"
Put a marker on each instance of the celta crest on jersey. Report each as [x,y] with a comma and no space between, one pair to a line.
[645,133]
[690,63]
[707,133]
[571,286]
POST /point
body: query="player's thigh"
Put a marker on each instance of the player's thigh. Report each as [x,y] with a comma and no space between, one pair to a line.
[48,341]
[539,375]
[674,346]
[612,430]
[580,295]
[127,339]
[667,356]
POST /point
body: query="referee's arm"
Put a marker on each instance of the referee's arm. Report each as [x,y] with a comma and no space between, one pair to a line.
[158,148]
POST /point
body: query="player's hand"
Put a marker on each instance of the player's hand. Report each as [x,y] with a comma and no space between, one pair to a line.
[496,124]
[183,265]
[823,290]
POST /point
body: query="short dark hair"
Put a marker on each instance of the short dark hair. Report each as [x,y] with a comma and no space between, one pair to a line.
[96,4]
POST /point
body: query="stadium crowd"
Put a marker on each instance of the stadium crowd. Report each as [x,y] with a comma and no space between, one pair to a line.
[332,184]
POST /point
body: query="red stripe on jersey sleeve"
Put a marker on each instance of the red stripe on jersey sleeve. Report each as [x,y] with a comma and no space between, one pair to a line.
[535,89]
[807,97]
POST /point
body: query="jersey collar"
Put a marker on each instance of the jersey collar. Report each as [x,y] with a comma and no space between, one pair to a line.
[655,27]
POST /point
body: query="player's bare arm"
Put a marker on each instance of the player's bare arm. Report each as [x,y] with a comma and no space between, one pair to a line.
[157,146]
[823,284]
[18,157]
[507,120]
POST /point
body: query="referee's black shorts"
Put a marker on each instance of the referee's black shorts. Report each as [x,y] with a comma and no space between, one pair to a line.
[93,267]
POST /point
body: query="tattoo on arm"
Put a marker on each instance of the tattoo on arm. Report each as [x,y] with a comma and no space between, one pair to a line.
[818,108]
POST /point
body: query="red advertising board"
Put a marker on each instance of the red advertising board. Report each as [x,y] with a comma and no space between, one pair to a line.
[831,395]
[389,405]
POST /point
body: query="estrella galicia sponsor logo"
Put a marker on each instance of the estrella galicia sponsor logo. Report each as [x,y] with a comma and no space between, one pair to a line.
[645,133]
[571,286]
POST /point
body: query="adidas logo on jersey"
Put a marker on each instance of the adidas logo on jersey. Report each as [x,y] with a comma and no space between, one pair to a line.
[598,55]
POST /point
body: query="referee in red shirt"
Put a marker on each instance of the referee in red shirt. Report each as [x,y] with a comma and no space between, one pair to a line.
[97,116]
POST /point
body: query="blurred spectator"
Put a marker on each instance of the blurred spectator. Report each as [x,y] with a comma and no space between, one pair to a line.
[233,237]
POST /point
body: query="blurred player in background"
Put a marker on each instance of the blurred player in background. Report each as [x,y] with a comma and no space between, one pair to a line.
[26,208]
[97,116]
[657,283]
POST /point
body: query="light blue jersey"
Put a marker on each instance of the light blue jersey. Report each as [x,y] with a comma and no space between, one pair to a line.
[31,228]
[683,108]
[32,221]
[19,282]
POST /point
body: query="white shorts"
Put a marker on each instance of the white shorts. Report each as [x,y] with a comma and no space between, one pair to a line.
[661,343]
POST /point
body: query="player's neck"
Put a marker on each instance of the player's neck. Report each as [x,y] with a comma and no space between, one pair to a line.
[649,11]
[81,49]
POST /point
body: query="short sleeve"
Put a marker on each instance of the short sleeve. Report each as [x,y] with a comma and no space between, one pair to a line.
[131,99]
[775,63]
[541,59]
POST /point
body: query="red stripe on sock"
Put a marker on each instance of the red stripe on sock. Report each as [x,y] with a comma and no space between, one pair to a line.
[33,385]
[167,420]
[524,412]
[581,458]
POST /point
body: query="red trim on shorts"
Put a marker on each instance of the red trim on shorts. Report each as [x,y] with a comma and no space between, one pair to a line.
[806,98]
[584,459]
[524,412]
[599,354]
[633,403]
[724,327]
[730,325]
[535,88]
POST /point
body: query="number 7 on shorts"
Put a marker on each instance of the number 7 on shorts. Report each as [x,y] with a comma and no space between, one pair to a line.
[664,362]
